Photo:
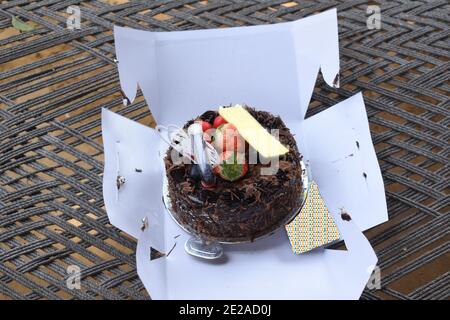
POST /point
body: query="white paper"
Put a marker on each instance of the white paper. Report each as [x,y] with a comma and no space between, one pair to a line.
[266,269]
[272,67]
[129,146]
[337,144]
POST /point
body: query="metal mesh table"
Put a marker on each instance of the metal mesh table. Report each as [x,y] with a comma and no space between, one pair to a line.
[53,82]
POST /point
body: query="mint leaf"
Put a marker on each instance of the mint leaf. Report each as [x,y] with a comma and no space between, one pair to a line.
[231,170]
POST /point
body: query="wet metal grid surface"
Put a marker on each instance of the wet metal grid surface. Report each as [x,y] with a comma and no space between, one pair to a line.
[53,82]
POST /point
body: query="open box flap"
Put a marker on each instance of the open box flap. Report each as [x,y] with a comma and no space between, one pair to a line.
[131,151]
[338,147]
[316,48]
[266,269]
[184,73]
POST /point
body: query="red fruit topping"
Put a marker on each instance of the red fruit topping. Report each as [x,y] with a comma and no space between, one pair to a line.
[205,125]
[227,138]
[218,121]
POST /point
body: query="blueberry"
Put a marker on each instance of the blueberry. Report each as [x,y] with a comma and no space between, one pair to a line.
[209,177]
[195,172]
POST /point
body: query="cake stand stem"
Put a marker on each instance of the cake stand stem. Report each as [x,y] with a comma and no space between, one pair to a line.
[203,249]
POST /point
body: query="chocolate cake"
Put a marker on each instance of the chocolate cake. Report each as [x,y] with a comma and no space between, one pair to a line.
[241,210]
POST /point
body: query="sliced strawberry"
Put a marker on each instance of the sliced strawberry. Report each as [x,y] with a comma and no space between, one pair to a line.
[232,167]
[227,138]
[218,121]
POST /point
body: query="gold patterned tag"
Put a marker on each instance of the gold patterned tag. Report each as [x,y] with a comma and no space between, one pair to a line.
[314,226]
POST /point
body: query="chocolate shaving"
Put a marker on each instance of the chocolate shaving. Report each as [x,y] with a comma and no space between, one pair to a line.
[345,216]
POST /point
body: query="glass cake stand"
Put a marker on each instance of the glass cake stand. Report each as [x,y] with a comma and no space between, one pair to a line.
[200,247]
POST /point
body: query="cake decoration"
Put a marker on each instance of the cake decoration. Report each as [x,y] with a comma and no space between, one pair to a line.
[232,166]
[180,140]
[314,227]
[252,131]
[227,138]
[218,121]
[244,203]
[205,125]
[200,155]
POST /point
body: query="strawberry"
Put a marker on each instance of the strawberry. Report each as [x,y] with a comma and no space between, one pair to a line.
[218,121]
[227,138]
[207,129]
[232,167]
[205,125]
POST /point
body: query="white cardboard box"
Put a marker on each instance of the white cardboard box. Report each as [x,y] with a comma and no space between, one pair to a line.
[273,68]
